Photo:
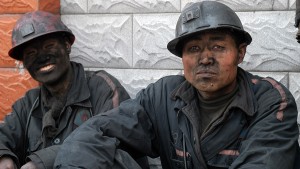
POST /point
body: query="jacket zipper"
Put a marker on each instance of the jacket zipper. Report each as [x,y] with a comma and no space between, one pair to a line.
[198,156]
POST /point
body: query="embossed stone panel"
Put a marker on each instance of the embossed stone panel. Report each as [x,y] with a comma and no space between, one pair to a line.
[17,6]
[274,47]
[151,34]
[246,5]
[295,89]
[52,6]
[7,23]
[73,6]
[13,85]
[101,40]
[133,6]
[292,4]
[136,79]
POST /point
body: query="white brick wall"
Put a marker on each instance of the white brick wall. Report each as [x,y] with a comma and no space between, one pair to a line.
[128,38]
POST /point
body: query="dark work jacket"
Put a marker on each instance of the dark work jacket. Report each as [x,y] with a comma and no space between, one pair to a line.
[259,129]
[20,132]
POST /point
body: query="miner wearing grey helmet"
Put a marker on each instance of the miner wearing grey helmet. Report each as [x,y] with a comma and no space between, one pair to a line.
[215,116]
[67,95]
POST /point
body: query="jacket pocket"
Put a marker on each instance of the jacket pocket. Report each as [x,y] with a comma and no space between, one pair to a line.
[180,159]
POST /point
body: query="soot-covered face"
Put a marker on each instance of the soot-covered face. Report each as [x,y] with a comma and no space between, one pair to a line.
[47,58]
[210,62]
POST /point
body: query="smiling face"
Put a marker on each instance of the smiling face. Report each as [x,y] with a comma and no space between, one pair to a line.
[47,59]
[210,62]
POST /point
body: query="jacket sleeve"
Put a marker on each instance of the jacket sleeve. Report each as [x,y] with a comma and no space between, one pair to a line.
[272,139]
[96,143]
[12,133]
[111,92]
[44,158]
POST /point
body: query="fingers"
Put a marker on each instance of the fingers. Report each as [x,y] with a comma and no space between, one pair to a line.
[7,163]
[29,165]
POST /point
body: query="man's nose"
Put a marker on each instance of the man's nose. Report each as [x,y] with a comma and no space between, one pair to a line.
[206,57]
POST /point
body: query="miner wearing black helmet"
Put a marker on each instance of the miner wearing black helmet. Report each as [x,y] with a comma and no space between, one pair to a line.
[67,96]
[215,116]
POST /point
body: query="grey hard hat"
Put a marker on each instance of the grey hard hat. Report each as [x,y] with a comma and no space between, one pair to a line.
[33,25]
[201,16]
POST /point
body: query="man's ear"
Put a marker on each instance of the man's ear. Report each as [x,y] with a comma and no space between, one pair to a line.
[241,52]
[68,46]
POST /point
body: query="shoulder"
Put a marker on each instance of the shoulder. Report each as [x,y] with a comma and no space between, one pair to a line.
[101,81]
[271,94]
[31,95]
[269,85]
[164,85]
[101,76]
[172,80]
[263,85]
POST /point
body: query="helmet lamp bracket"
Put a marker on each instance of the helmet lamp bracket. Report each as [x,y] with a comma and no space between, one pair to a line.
[27,29]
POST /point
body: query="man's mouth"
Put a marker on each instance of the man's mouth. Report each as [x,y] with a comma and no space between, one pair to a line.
[47,68]
[205,73]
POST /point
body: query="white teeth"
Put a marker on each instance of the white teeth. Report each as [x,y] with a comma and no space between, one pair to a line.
[46,68]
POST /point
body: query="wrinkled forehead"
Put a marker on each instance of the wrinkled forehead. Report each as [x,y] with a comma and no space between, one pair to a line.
[212,35]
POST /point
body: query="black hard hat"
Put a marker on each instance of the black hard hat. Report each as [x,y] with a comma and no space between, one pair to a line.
[33,25]
[201,16]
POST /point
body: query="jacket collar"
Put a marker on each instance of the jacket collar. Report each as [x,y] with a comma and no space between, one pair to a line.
[244,99]
[79,91]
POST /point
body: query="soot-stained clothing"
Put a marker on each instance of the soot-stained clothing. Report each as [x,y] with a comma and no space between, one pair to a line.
[21,132]
[257,129]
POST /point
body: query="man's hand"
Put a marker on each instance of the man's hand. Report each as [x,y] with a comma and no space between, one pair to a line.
[29,165]
[7,163]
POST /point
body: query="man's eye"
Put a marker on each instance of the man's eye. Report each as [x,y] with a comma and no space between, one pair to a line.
[218,47]
[49,46]
[30,53]
[194,49]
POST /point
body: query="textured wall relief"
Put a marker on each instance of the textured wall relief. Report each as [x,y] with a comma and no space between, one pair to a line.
[101,40]
[136,79]
[6,25]
[17,6]
[52,6]
[250,5]
[13,86]
[274,47]
[292,4]
[73,6]
[133,6]
[151,34]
